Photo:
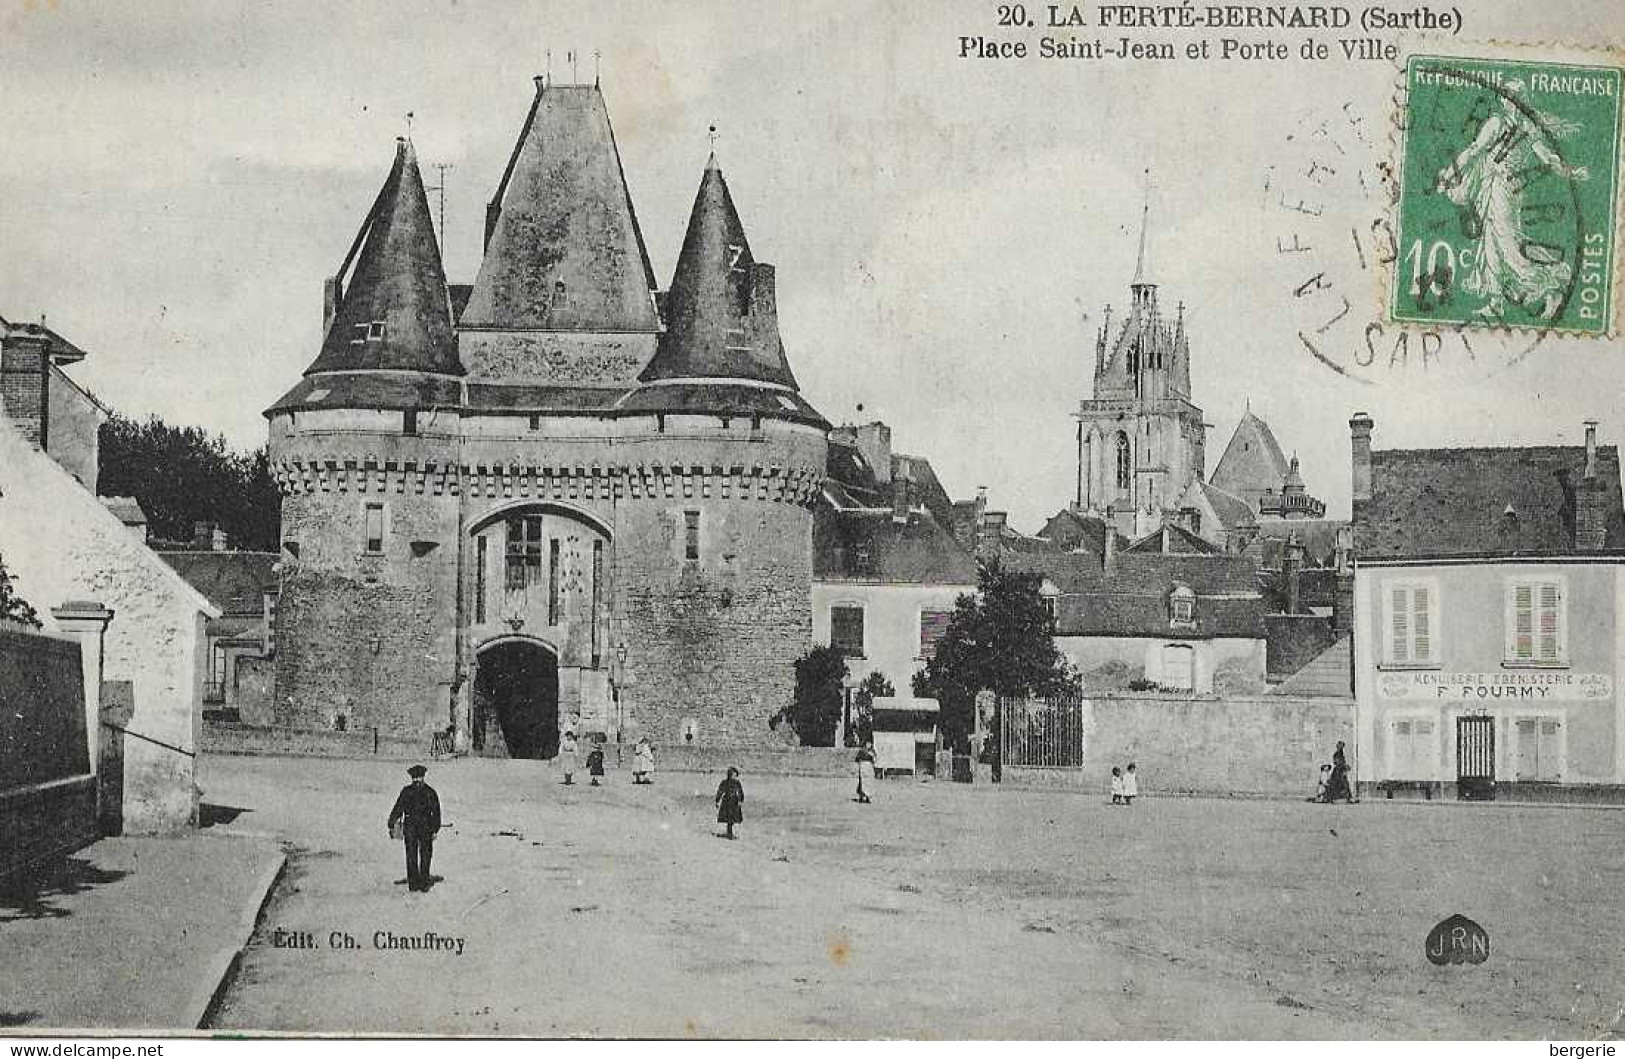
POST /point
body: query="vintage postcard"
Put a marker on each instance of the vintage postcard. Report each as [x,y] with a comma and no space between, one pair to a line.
[843,520]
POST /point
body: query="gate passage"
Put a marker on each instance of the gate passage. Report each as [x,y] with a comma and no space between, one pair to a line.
[1475,758]
[1042,733]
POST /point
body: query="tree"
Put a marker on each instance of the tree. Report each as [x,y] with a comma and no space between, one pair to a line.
[999,640]
[874,686]
[183,476]
[820,682]
[14,608]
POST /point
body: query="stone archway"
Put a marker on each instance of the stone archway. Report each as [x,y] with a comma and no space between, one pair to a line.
[516,700]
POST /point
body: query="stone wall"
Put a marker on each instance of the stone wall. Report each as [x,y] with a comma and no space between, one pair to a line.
[225,737]
[751,761]
[1265,746]
[369,638]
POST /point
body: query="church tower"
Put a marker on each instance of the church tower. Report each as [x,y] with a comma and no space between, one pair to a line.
[1140,439]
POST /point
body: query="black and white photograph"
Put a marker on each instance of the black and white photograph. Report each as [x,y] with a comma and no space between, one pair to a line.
[844,521]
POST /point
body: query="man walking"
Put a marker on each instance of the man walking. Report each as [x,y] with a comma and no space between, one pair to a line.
[417,811]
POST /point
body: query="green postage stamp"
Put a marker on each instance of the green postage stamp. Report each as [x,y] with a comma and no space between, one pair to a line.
[1509,190]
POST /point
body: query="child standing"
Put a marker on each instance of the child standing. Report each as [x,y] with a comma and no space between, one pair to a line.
[595,763]
[567,757]
[1117,785]
[1131,785]
[643,761]
[730,799]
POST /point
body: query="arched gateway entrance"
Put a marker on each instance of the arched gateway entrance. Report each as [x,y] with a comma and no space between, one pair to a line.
[516,700]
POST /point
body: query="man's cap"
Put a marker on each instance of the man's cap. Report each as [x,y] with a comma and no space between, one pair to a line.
[417,771]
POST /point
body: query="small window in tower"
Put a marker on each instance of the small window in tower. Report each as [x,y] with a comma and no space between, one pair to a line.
[375,529]
[409,422]
[691,534]
[375,331]
[553,581]
[1125,470]
[480,550]
[535,422]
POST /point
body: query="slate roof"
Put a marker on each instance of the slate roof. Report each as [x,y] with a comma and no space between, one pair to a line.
[370,390]
[566,253]
[1444,502]
[1317,535]
[1231,509]
[233,581]
[62,351]
[721,399]
[397,279]
[1132,599]
[867,545]
[1252,460]
[1071,531]
[720,312]
[1172,539]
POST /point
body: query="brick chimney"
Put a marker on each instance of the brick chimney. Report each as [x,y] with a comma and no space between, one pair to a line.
[901,488]
[1360,426]
[874,441]
[1343,601]
[1292,566]
[25,380]
[1590,500]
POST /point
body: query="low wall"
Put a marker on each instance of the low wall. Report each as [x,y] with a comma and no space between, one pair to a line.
[47,794]
[226,737]
[1250,747]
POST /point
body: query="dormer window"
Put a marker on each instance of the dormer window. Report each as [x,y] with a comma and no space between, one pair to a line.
[1182,608]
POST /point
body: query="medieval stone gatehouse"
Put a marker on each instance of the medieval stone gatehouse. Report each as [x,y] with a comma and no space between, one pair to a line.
[561,500]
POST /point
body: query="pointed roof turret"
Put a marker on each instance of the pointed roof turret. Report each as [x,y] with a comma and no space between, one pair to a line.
[1139,279]
[394,313]
[721,312]
[563,249]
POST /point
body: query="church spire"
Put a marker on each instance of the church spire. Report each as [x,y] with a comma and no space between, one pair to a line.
[721,311]
[394,314]
[1145,222]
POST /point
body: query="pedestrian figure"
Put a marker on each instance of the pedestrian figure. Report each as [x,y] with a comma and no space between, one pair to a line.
[1131,785]
[595,763]
[1338,786]
[567,757]
[1117,785]
[643,761]
[1323,788]
[417,814]
[865,762]
[730,798]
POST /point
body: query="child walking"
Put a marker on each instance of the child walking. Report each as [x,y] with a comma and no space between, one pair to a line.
[643,761]
[567,757]
[595,763]
[1131,785]
[1117,786]
[730,798]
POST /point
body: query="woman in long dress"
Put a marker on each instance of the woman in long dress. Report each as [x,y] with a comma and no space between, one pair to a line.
[730,801]
[643,761]
[1488,179]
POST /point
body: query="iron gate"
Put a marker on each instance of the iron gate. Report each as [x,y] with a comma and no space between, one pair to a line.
[1042,733]
[1475,758]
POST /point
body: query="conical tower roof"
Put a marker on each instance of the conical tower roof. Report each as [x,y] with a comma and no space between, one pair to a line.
[394,314]
[721,311]
[563,250]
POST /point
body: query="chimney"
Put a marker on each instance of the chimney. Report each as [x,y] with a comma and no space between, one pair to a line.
[1343,599]
[332,294]
[989,534]
[1292,564]
[1590,501]
[874,441]
[1360,426]
[25,379]
[900,488]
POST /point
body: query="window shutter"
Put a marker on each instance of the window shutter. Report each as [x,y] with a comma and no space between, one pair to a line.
[1523,623]
[1421,625]
[1400,611]
[1549,642]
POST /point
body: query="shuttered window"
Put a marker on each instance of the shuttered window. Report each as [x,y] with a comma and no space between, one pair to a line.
[1536,622]
[1412,613]
[933,626]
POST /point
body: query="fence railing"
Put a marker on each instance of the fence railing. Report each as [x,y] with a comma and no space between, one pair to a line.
[1042,733]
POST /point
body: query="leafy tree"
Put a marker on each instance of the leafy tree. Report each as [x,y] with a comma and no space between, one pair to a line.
[182,476]
[14,608]
[874,686]
[999,640]
[816,711]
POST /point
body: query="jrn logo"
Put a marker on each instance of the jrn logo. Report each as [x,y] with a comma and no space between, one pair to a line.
[1457,940]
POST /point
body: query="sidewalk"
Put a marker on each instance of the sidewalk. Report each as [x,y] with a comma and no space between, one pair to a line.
[130,933]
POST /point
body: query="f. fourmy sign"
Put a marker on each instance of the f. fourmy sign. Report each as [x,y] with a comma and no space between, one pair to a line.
[1534,686]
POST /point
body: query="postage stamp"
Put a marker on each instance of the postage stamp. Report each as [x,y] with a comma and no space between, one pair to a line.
[1509,185]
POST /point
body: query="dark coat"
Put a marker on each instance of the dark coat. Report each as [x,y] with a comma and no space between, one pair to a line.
[730,796]
[417,809]
[595,761]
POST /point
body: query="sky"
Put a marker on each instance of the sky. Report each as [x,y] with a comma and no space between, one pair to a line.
[179,177]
